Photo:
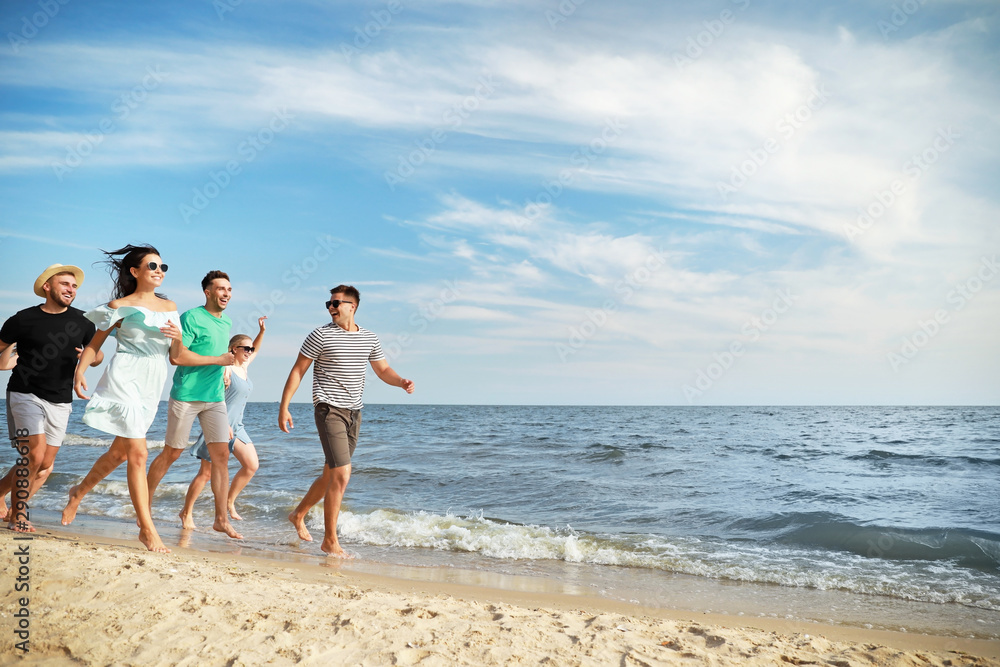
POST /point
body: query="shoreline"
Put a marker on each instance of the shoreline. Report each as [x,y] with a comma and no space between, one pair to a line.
[83,579]
[630,587]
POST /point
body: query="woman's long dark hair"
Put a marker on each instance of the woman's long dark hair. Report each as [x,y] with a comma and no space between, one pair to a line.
[120,261]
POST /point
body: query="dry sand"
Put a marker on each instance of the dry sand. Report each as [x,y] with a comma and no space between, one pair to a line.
[96,601]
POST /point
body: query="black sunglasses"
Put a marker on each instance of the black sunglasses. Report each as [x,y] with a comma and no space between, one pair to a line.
[152,266]
[248,348]
[336,303]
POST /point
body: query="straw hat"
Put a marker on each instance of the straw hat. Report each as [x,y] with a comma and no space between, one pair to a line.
[53,270]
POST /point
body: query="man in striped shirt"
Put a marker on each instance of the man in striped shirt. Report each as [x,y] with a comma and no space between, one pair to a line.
[340,349]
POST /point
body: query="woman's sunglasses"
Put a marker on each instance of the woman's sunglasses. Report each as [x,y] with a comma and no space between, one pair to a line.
[248,348]
[152,266]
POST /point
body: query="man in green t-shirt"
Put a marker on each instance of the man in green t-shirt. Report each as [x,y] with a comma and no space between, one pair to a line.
[198,391]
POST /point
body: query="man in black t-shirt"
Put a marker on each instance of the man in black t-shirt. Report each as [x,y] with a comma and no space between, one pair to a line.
[49,340]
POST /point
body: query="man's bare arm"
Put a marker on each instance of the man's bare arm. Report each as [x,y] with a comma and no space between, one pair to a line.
[385,373]
[295,376]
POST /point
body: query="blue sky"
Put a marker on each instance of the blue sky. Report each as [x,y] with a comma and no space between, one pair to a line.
[574,202]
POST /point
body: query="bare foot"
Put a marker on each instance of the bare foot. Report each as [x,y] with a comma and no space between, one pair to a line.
[226,528]
[187,521]
[333,550]
[3,509]
[69,513]
[300,527]
[233,515]
[153,542]
[22,526]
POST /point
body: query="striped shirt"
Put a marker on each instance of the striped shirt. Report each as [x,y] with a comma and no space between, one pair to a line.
[340,358]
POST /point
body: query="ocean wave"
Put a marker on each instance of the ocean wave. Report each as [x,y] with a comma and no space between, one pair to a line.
[86,441]
[883,455]
[746,562]
[78,440]
[968,548]
[601,453]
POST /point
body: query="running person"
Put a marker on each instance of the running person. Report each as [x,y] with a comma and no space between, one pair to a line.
[238,389]
[340,350]
[127,396]
[49,339]
[198,391]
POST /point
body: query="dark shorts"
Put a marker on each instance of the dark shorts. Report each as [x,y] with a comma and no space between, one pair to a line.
[338,431]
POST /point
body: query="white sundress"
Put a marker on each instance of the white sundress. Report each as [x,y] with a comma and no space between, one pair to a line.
[128,394]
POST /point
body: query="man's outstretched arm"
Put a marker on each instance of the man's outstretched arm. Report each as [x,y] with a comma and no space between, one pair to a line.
[385,373]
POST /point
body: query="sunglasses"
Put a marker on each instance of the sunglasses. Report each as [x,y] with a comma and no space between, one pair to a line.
[152,266]
[248,348]
[335,303]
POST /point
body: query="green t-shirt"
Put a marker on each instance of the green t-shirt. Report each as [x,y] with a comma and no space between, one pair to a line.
[207,335]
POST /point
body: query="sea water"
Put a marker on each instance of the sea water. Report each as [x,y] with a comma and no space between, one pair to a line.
[882,516]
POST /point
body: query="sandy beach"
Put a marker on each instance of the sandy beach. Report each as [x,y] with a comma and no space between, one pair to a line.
[95,600]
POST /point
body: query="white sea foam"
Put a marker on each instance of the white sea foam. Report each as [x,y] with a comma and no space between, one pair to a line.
[87,441]
[717,560]
[76,439]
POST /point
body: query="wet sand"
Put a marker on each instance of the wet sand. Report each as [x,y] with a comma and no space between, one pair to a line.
[95,599]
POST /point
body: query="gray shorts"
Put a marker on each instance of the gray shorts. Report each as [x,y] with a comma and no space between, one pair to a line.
[338,432]
[180,418]
[36,415]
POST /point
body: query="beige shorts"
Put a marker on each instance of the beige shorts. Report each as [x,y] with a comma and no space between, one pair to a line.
[180,417]
[27,412]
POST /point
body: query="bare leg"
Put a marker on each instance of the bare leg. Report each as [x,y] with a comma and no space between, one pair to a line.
[219,451]
[103,466]
[339,477]
[36,484]
[313,496]
[41,457]
[7,483]
[43,474]
[138,490]
[246,454]
[194,490]
[5,487]
[159,467]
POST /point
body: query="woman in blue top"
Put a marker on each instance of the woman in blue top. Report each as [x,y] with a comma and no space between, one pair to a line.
[238,389]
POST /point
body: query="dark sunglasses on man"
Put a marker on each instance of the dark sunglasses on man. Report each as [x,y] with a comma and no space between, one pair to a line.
[335,303]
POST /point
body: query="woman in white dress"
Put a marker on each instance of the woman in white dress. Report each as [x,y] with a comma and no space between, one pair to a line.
[128,394]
